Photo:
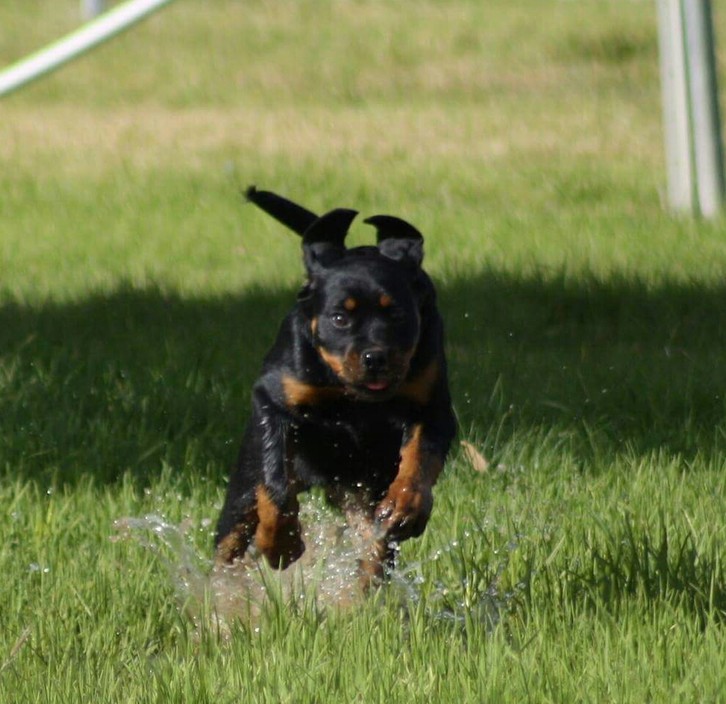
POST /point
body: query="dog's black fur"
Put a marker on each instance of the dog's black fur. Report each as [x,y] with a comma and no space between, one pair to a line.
[353,395]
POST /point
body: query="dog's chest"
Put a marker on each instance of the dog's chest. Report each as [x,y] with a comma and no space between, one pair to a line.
[348,445]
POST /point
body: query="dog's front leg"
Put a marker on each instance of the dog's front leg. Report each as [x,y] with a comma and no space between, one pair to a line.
[405,509]
[261,503]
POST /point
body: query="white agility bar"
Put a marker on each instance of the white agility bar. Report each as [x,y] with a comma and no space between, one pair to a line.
[69,47]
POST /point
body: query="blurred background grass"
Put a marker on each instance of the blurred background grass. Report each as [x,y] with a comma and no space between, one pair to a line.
[479,121]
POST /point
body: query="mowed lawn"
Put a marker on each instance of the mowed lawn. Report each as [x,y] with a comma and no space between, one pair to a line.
[576,552]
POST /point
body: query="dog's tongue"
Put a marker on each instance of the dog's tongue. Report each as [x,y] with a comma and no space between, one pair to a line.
[377,385]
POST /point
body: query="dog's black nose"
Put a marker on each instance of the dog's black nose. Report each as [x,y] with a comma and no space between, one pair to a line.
[374,360]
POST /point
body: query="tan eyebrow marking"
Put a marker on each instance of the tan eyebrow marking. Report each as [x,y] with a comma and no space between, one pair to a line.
[350,304]
[385,301]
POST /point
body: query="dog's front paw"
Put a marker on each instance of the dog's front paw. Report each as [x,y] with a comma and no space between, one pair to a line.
[281,543]
[283,554]
[405,510]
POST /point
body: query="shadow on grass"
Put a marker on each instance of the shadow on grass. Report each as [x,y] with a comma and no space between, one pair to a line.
[137,379]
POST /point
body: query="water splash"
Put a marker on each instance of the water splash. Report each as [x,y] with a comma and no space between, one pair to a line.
[325,577]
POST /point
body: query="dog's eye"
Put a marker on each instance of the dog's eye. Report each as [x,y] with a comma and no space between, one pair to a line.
[340,320]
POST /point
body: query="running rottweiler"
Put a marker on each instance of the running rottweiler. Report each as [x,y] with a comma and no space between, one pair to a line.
[353,395]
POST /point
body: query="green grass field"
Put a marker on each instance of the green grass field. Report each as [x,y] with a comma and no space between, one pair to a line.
[586,335]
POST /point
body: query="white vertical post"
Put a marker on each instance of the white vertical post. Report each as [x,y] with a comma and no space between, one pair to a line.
[691,119]
[92,8]
[676,122]
[705,117]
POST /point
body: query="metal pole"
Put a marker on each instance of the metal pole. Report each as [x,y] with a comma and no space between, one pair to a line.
[676,118]
[76,43]
[691,119]
[705,117]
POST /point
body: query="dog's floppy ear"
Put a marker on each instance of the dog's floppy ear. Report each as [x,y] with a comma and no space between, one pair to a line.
[398,239]
[290,214]
[324,240]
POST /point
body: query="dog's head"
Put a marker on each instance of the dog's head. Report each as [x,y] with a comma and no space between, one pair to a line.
[363,304]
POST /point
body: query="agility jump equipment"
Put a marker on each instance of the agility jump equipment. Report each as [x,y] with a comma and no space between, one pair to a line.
[76,43]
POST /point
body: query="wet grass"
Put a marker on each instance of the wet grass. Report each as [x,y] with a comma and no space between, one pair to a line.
[586,330]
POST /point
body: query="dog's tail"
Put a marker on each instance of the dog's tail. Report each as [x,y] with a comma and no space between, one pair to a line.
[290,214]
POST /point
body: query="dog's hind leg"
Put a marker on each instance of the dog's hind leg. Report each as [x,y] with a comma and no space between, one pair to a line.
[378,554]
[375,567]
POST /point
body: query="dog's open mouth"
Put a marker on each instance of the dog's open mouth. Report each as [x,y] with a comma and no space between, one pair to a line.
[375,389]
[376,386]
[372,384]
